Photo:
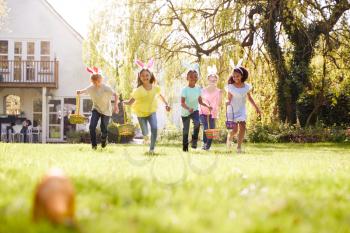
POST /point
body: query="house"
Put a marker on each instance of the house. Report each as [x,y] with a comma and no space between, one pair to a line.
[41,67]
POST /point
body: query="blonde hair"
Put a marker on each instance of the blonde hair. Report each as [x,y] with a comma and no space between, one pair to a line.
[94,77]
[213,75]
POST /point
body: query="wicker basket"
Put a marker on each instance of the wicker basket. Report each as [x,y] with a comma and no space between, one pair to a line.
[77,118]
[212,133]
[126,129]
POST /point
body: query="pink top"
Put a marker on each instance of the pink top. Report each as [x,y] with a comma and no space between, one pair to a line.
[213,100]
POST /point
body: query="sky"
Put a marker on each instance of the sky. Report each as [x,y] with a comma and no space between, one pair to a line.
[76,12]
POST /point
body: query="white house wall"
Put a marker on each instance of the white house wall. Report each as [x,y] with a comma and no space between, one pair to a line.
[34,20]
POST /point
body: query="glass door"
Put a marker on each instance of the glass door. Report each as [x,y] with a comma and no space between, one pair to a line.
[17,69]
[69,107]
[30,66]
[55,126]
[4,63]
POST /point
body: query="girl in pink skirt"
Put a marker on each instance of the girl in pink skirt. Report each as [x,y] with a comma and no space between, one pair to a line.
[212,96]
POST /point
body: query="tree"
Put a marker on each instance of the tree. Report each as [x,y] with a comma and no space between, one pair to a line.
[3,12]
[287,30]
[303,24]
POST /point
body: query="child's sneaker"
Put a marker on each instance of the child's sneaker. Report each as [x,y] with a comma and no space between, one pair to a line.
[94,147]
[151,152]
[185,148]
[103,143]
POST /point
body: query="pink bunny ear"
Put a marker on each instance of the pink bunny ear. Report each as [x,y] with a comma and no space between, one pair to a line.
[140,64]
[89,70]
[150,64]
[96,70]
[93,70]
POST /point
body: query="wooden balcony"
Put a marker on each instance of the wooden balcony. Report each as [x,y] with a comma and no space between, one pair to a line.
[24,74]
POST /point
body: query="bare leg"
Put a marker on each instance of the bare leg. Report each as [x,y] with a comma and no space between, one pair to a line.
[231,134]
[242,129]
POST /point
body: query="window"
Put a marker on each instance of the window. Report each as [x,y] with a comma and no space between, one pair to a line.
[4,46]
[69,107]
[18,59]
[45,55]
[18,48]
[45,48]
[13,105]
[30,66]
[87,106]
[30,50]
[37,112]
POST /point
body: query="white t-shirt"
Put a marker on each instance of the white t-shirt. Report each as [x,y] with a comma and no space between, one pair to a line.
[238,102]
[101,98]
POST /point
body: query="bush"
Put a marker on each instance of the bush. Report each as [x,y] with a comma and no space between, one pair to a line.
[113,135]
[84,137]
[297,134]
[335,109]
[260,133]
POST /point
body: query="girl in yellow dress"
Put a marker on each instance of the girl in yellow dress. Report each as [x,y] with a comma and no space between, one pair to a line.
[144,101]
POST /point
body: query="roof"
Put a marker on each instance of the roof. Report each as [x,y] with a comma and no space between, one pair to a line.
[61,18]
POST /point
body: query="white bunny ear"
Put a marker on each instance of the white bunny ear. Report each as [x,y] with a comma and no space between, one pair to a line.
[212,70]
[232,64]
[196,67]
[209,70]
[239,64]
[186,64]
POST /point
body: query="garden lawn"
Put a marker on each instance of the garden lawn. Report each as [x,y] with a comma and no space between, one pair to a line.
[270,188]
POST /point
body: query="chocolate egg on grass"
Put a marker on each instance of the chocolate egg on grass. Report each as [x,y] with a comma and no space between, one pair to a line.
[54,199]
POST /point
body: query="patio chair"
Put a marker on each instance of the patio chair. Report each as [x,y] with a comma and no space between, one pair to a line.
[16,135]
[11,136]
[3,135]
[36,134]
[30,134]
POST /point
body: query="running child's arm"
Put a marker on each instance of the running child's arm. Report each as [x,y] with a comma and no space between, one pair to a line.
[251,100]
[184,105]
[129,102]
[167,107]
[116,102]
[200,101]
[229,98]
[82,92]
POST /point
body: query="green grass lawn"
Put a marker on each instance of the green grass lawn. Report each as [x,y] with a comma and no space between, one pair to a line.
[271,188]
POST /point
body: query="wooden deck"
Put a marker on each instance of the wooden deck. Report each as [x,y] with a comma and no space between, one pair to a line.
[24,74]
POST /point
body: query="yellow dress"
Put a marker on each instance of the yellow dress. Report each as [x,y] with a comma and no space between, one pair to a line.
[146,101]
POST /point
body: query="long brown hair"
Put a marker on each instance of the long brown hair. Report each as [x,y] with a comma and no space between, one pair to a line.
[243,71]
[152,80]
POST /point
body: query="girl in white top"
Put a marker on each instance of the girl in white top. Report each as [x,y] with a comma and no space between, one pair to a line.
[238,92]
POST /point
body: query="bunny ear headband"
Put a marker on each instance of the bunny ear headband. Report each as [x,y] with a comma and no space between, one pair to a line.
[237,66]
[142,65]
[190,66]
[94,70]
[212,70]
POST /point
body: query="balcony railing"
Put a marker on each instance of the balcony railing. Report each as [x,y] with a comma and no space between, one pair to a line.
[28,73]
